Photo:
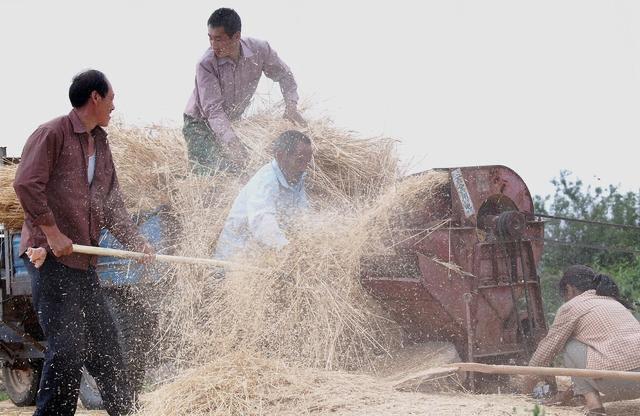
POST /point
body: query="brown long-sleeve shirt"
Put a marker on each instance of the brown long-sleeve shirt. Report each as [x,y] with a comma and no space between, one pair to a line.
[610,331]
[52,186]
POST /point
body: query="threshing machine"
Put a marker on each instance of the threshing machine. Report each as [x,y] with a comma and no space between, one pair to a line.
[464,270]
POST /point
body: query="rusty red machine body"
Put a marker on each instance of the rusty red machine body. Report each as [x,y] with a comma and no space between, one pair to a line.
[470,279]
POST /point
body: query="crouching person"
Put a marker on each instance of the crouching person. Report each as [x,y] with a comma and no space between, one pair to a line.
[67,186]
[271,199]
[594,329]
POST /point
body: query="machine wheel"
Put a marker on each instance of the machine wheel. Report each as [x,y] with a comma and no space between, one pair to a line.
[134,336]
[21,382]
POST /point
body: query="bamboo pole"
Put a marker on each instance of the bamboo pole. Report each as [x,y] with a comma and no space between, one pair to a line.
[408,381]
[547,371]
[163,258]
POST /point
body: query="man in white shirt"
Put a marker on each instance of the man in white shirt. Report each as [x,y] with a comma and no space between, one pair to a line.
[273,197]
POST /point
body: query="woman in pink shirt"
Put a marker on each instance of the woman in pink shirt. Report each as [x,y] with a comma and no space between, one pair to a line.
[594,329]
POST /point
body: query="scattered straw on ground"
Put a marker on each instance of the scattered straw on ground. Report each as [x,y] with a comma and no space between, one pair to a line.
[244,385]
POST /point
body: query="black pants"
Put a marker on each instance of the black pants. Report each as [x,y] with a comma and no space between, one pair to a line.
[80,331]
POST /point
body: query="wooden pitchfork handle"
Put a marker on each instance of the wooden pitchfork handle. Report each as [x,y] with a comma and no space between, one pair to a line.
[413,379]
[163,258]
[547,371]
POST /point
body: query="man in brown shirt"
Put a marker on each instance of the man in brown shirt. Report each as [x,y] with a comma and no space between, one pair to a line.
[67,185]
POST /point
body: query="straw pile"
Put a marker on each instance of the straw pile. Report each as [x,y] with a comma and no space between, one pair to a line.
[239,384]
[146,159]
[307,308]
[11,214]
[306,314]
[243,385]
[277,332]
[149,160]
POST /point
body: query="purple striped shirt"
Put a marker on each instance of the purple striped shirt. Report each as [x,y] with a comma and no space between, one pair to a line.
[224,88]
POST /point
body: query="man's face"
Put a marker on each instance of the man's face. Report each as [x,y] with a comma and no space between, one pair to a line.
[223,45]
[294,164]
[104,106]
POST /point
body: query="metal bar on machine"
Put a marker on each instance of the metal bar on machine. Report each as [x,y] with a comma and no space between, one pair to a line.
[525,277]
[512,281]
[468,298]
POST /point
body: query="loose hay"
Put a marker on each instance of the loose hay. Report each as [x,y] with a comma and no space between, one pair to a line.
[308,308]
[345,167]
[241,384]
[146,159]
[408,205]
[308,311]
[11,214]
[149,160]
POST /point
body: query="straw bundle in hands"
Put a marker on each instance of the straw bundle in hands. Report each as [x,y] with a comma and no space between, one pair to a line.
[11,214]
[146,159]
[344,165]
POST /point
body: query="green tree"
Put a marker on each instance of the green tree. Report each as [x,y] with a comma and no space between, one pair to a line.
[610,250]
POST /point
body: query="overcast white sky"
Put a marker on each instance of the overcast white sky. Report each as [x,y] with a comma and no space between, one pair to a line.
[538,86]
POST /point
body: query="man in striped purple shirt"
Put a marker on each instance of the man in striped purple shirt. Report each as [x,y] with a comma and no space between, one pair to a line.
[226,79]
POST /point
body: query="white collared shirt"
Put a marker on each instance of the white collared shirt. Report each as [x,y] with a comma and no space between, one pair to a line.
[260,211]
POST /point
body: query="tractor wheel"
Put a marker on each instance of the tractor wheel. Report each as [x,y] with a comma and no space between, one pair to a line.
[134,326]
[21,381]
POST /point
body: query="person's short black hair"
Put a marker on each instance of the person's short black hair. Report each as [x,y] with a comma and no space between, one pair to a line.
[228,19]
[84,84]
[288,141]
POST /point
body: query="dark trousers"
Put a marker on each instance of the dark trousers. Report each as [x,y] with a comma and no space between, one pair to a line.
[80,331]
[206,153]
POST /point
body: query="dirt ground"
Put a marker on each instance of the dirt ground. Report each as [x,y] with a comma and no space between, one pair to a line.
[478,405]
[8,409]
[427,404]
